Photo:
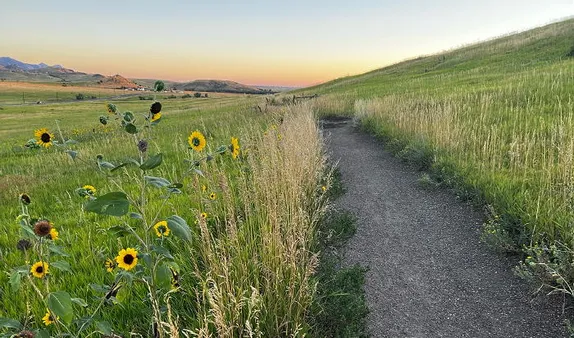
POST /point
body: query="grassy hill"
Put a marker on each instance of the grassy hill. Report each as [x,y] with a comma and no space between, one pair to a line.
[494,120]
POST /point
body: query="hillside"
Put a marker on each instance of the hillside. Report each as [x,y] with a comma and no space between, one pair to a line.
[495,122]
[220,86]
[473,66]
[116,81]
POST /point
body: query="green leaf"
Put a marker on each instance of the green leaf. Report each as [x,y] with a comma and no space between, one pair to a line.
[60,303]
[57,250]
[27,230]
[73,154]
[104,327]
[176,185]
[62,266]
[221,149]
[136,215]
[128,116]
[131,128]
[43,334]
[80,302]
[199,172]
[152,162]
[15,279]
[160,250]
[179,227]
[107,165]
[71,142]
[119,166]
[158,182]
[9,323]
[163,276]
[118,231]
[113,204]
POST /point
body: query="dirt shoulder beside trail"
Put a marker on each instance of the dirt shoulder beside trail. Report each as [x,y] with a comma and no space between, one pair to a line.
[429,274]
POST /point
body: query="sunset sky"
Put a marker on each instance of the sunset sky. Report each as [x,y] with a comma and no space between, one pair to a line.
[294,43]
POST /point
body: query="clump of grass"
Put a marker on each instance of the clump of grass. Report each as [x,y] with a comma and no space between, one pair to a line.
[340,306]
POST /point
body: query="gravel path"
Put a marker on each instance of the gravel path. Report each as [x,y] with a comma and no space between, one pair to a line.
[429,275]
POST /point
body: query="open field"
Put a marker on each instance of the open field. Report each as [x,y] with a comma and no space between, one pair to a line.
[495,121]
[240,264]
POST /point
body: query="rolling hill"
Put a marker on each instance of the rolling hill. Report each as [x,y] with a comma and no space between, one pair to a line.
[495,122]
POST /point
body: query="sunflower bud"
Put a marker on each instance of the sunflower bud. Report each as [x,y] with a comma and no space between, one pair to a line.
[142,146]
[23,245]
[25,199]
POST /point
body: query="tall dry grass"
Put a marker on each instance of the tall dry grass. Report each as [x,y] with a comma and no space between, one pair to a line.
[254,278]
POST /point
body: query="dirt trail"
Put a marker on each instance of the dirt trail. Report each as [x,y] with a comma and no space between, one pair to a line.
[429,275]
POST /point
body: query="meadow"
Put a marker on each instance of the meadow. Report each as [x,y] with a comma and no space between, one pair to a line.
[200,221]
[492,120]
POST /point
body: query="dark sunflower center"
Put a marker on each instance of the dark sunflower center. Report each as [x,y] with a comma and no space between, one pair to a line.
[161,229]
[195,142]
[45,137]
[39,269]
[128,259]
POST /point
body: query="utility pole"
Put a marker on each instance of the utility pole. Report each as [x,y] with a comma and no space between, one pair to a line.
[23,100]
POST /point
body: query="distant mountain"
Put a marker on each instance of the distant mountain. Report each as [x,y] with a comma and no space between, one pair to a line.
[14,70]
[11,63]
[220,86]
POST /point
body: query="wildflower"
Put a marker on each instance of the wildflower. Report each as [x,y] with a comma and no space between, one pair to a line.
[234,147]
[203,188]
[49,319]
[212,196]
[39,269]
[127,259]
[25,199]
[196,141]
[324,188]
[155,108]
[42,228]
[53,235]
[23,245]
[90,190]
[142,146]
[161,229]
[155,117]
[204,215]
[44,137]
[110,265]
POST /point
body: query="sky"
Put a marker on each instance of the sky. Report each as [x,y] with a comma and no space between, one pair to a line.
[288,43]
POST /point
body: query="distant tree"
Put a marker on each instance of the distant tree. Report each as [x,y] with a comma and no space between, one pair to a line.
[197,95]
[158,86]
[80,96]
[205,95]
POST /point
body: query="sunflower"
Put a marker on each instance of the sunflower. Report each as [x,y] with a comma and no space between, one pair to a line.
[110,265]
[90,190]
[234,147]
[53,235]
[44,137]
[42,228]
[25,199]
[39,269]
[155,108]
[127,259]
[196,141]
[204,215]
[212,196]
[161,229]
[174,279]
[324,188]
[155,117]
[49,319]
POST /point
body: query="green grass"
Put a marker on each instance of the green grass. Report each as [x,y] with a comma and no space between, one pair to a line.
[240,274]
[493,119]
